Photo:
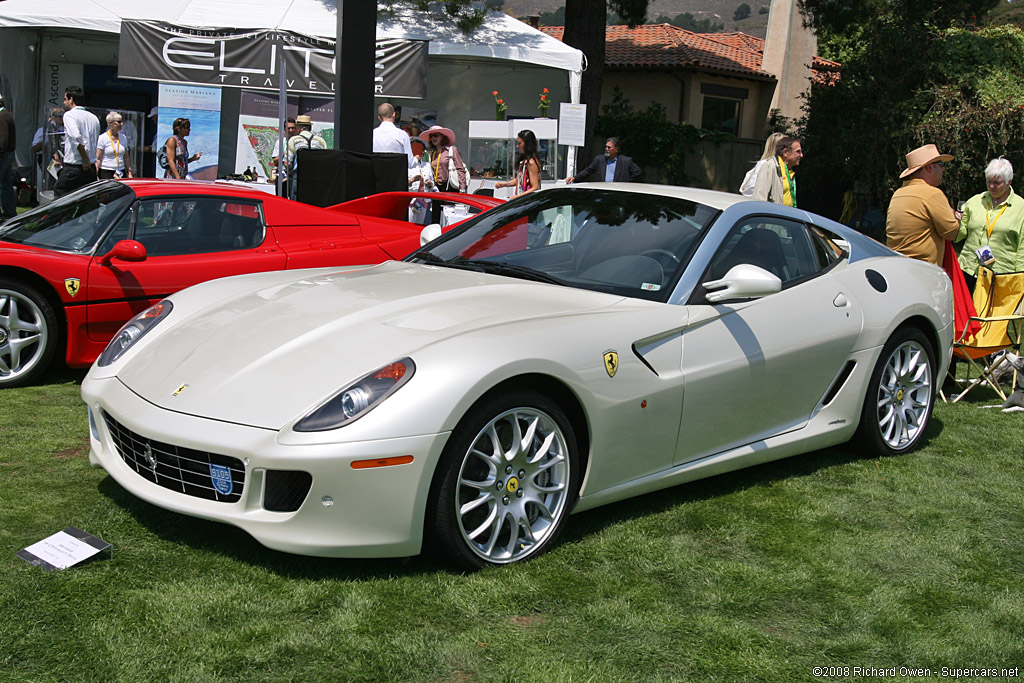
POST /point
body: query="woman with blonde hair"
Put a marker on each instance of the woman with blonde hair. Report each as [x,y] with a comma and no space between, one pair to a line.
[112,159]
[747,186]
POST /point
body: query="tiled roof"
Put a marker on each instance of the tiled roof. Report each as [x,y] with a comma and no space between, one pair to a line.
[666,46]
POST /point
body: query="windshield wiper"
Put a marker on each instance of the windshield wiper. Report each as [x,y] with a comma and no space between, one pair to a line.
[499,268]
[428,257]
[492,267]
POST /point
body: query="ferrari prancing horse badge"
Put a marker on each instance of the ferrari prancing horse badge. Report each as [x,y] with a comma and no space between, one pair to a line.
[611,362]
[72,284]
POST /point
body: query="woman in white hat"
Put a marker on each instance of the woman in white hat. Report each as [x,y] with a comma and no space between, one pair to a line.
[446,165]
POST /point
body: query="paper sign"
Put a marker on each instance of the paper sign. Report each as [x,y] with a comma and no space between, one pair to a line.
[572,124]
[63,549]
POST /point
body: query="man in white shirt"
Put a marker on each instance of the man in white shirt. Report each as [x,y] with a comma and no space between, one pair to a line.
[81,133]
[387,137]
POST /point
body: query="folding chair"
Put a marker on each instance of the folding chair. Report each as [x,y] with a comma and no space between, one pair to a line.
[999,322]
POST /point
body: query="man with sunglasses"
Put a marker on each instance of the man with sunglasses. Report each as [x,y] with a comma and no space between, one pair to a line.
[920,219]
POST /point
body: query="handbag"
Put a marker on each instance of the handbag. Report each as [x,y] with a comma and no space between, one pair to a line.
[453,171]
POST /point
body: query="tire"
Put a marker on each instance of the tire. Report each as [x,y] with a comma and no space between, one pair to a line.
[494,502]
[900,396]
[28,333]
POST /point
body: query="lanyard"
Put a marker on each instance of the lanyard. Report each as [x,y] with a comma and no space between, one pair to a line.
[788,184]
[116,148]
[992,223]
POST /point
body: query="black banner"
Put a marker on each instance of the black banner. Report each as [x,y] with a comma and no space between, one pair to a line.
[228,57]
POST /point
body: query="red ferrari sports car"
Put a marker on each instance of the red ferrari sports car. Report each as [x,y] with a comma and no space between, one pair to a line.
[74,271]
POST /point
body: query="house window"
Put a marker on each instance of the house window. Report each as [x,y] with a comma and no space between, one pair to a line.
[721,114]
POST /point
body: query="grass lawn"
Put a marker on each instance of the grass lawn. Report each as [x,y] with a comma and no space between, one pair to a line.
[829,559]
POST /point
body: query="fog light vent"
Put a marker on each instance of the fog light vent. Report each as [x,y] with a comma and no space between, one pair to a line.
[284,490]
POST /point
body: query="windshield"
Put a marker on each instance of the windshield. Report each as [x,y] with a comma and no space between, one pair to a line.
[75,222]
[626,243]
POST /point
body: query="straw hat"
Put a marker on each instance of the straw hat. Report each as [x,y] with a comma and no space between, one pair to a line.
[303,120]
[447,132]
[922,156]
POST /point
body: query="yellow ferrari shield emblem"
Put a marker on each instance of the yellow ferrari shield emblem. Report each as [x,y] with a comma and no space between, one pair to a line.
[72,284]
[512,485]
[611,363]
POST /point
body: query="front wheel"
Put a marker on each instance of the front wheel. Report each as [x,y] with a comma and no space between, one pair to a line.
[28,333]
[506,482]
[900,396]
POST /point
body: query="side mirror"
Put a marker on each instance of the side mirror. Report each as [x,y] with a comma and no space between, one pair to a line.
[125,250]
[743,281]
[431,232]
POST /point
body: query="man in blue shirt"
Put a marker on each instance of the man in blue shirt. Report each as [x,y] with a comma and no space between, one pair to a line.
[609,167]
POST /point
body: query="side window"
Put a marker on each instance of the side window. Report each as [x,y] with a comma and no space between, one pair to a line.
[191,225]
[782,247]
[122,230]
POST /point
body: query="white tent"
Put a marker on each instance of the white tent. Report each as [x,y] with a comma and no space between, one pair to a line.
[504,54]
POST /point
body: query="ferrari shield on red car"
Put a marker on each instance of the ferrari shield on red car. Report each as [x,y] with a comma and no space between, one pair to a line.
[74,271]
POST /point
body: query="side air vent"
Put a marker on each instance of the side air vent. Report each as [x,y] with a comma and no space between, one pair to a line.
[838,384]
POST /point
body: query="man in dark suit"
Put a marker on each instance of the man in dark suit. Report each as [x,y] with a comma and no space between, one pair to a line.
[608,167]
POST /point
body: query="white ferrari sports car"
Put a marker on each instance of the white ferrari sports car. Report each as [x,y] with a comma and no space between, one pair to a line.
[567,349]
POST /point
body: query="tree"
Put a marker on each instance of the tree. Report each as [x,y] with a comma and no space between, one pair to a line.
[468,15]
[913,72]
[691,23]
[741,13]
[585,31]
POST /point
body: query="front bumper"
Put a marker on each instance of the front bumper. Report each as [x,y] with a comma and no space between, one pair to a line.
[372,512]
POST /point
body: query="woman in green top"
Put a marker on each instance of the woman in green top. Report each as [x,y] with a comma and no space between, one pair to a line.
[992,226]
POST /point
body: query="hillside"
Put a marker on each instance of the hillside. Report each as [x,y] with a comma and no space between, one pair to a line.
[719,11]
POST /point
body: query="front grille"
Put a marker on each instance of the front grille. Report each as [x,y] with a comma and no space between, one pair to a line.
[195,473]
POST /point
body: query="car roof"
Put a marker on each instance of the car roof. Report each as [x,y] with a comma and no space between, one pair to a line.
[147,186]
[712,198]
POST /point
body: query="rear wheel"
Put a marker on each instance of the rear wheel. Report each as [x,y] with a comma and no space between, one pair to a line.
[506,482]
[28,333]
[901,394]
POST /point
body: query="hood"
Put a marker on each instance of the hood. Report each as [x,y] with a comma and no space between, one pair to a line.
[271,353]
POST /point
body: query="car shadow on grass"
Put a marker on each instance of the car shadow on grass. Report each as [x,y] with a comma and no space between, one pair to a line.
[802,465]
[224,539]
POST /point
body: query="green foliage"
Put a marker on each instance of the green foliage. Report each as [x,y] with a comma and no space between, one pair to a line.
[650,138]
[556,18]
[764,10]
[741,13]
[956,85]
[691,23]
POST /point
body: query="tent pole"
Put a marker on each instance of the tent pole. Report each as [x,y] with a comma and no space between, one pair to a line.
[282,113]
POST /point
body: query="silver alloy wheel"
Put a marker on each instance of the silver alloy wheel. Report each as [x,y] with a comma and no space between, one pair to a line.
[904,395]
[23,334]
[513,485]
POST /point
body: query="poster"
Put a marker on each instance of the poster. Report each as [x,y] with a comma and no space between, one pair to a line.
[201,106]
[258,127]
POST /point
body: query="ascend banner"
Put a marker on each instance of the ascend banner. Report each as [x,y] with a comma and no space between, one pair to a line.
[229,57]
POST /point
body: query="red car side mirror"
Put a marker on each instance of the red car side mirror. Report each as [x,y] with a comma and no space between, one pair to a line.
[125,250]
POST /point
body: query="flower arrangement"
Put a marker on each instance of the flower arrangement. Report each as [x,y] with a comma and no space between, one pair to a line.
[499,107]
[544,103]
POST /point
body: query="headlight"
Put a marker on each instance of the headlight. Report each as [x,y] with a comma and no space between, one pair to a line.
[134,330]
[358,399]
